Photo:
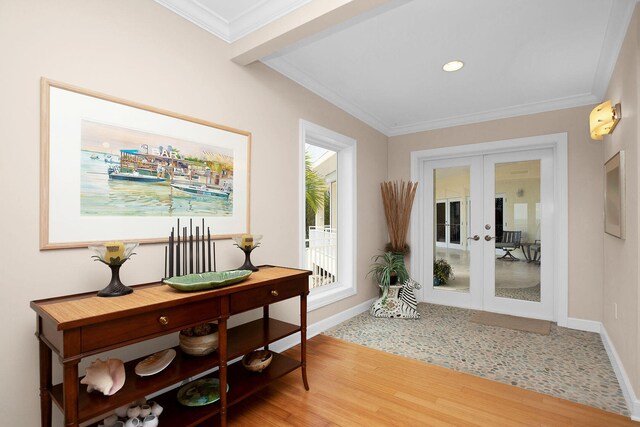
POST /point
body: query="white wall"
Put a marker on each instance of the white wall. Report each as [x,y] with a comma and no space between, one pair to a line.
[140,51]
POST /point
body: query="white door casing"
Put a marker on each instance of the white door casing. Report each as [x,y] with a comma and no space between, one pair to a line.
[422,236]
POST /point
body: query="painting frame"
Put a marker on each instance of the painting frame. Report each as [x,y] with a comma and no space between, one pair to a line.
[614,196]
[63,226]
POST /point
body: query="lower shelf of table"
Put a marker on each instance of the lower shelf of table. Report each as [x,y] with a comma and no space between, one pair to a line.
[241,340]
[242,384]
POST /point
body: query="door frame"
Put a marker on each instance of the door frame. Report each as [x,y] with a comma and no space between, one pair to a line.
[558,144]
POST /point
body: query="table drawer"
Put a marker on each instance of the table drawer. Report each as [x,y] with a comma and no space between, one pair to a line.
[140,326]
[254,298]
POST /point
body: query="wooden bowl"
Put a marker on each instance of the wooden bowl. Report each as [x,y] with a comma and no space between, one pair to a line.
[199,346]
[257,360]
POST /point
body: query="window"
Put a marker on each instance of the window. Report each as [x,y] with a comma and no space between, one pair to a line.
[321,228]
[327,213]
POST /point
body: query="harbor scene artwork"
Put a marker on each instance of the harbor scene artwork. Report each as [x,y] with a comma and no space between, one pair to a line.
[114,169]
[125,172]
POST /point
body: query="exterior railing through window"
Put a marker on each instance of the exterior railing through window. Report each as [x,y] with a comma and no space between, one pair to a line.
[321,256]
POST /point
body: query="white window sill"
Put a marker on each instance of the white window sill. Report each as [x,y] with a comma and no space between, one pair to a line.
[320,297]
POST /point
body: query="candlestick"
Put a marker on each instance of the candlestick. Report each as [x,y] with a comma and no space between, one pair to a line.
[190,245]
[204,267]
[184,249]
[105,254]
[178,252]
[197,250]
[209,240]
[171,254]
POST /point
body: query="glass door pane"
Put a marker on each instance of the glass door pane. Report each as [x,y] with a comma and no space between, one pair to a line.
[518,280]
[517,269]
[451,187]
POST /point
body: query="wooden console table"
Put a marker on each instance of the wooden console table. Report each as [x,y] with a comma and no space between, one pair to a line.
[78,326]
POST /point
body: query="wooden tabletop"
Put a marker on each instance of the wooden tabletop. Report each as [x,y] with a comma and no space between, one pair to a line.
[77,310]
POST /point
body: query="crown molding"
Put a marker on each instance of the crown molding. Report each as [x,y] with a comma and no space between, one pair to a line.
[199,15]
[250,20]
[261,15]
[617,26]
[500,113]
[288,70]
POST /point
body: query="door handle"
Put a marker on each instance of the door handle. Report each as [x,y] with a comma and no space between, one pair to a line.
[488,238]
[475,237]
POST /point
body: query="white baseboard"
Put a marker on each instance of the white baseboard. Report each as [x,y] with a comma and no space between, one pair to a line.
[625,384]
[323,325]
[584,325]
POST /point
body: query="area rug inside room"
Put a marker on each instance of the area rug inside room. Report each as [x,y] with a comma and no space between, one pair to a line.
[566,363]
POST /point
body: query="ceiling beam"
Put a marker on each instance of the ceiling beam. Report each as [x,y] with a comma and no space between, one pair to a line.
[313,17]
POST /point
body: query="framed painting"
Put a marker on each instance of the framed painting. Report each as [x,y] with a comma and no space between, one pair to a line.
[113,169]
[614,196]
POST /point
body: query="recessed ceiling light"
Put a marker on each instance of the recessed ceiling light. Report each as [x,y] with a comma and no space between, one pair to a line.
[453,66]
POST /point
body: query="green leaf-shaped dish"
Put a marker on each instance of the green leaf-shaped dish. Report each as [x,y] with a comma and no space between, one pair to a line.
[203,281]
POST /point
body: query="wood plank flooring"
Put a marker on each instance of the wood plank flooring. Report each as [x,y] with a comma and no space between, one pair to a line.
[352,385]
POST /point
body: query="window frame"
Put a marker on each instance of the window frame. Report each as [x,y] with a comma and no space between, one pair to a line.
[345,147]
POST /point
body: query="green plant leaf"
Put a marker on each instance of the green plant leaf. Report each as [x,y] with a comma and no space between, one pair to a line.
[314,185]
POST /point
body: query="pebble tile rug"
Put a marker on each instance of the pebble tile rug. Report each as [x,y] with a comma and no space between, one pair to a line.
[569,364]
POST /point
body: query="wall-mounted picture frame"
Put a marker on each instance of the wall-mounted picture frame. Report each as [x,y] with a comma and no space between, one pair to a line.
[113,169]
[614,196]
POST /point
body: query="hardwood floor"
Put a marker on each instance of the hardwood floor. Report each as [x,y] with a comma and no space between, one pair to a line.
[353,385]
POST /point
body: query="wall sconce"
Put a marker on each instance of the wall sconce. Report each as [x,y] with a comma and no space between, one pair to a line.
[603,120]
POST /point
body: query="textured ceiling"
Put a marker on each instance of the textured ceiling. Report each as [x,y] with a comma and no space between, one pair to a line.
[521,57]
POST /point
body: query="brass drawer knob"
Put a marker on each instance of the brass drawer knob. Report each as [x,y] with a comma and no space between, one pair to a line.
[274,293]
[164,320]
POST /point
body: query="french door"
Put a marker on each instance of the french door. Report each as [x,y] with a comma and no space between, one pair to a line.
[501,266]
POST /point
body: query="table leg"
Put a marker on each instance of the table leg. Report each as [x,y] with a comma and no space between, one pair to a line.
[45,384]
[303,339]
[70,391]
[265,323]
[222,353]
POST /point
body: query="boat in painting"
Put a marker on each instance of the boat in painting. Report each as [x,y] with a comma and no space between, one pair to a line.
[201,190]
[187,176]
[139,167]
[134,176]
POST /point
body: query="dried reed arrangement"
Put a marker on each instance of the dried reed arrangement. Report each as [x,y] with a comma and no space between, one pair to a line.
[398,201]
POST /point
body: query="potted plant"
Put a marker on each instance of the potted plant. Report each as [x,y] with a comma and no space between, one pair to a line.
[442,272]
[386,269]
